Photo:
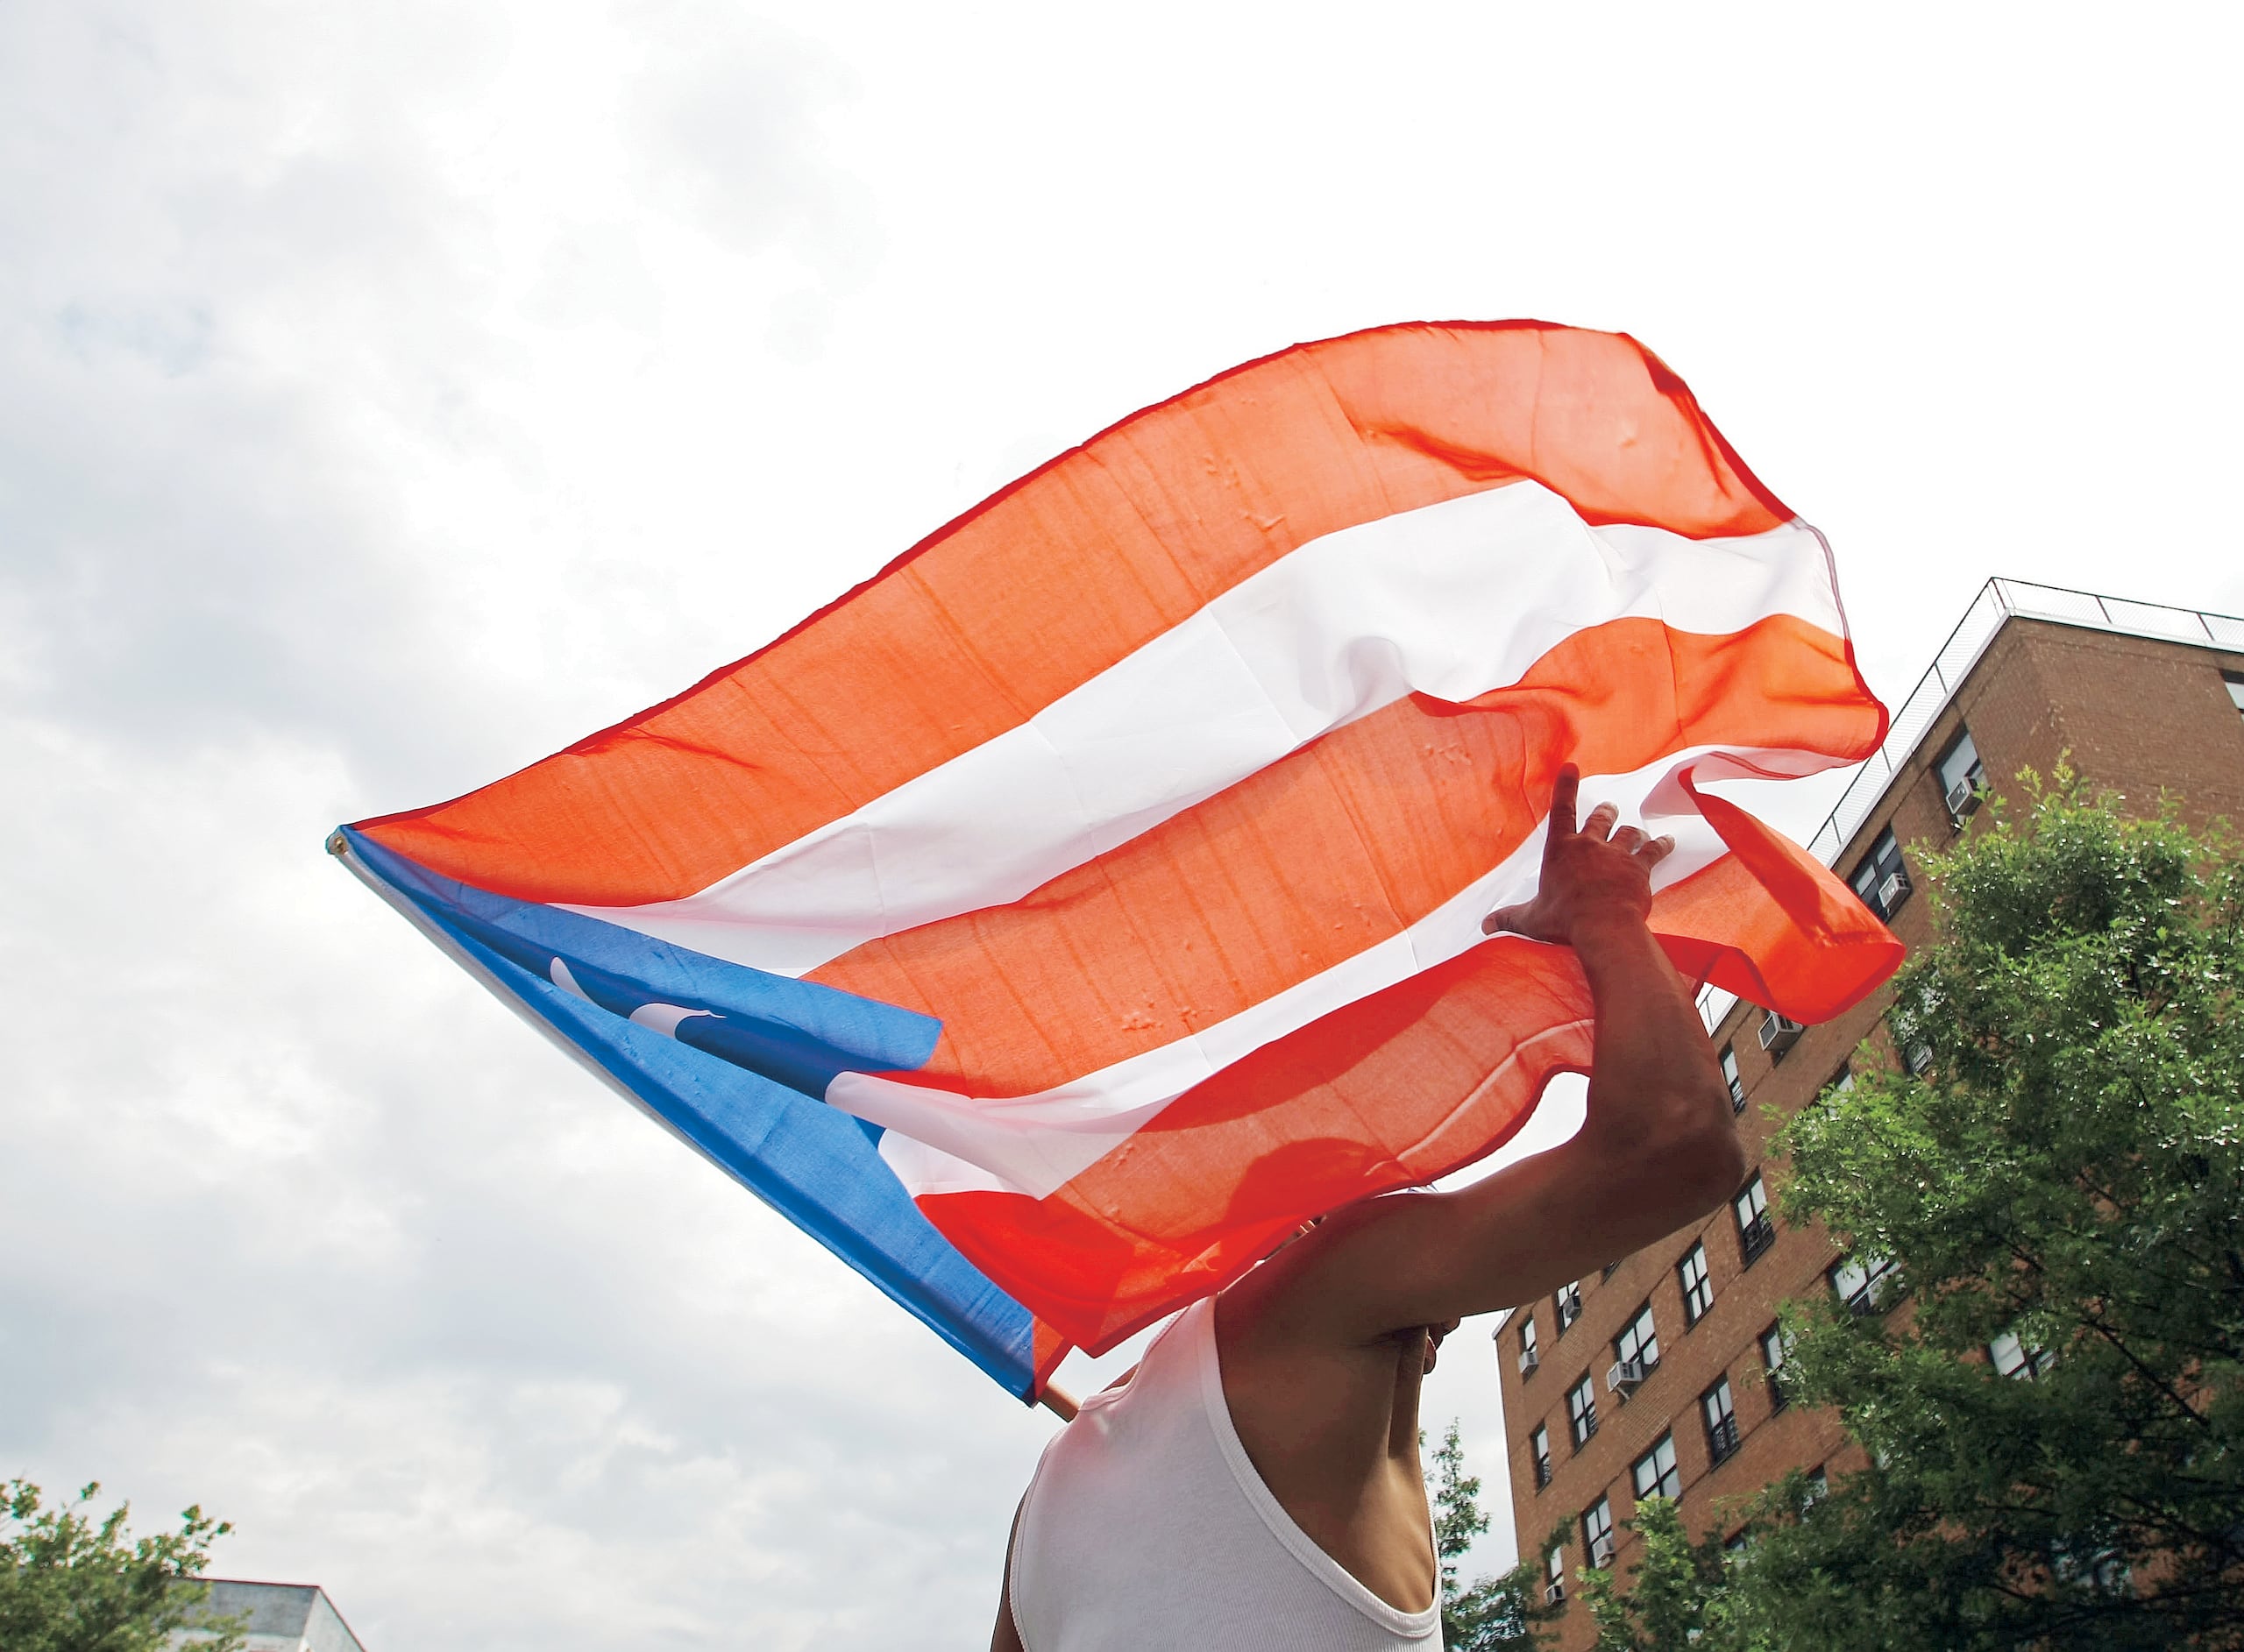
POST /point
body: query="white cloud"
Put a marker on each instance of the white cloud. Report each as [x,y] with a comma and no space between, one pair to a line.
[393,394]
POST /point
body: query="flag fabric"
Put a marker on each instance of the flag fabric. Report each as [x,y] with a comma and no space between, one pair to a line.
[1055,921]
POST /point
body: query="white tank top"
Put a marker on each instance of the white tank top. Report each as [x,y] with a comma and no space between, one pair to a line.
[1146,1529]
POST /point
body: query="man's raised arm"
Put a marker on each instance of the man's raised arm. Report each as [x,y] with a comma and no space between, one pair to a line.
[1657,1149]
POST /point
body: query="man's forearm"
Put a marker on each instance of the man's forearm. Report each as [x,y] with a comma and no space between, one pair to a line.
[1653,1082]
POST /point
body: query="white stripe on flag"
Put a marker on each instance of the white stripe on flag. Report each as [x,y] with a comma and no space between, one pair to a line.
[1452,600]
[1034,1143]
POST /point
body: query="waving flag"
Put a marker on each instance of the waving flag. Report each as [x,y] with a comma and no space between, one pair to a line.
[1055,921]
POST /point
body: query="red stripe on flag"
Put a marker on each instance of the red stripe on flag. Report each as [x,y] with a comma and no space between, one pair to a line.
[1770,923]
[1072,568]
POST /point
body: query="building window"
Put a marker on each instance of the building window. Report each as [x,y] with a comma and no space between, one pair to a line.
[1880,879]
[1554,1567]
[1538,1447]
[1581,1411]
[1597,1532]
[2011,1358]
[1819,1487]
[1864,1282]
[1698,1285]
[1776,1349]
[1961,777]
[1654,1474]
[1916,1055]
[1842,1082]
[1530,1358]
[1730,1077]
[1721,1416]
[1569,1299]
[1638,1340]
[1757,1229]
[2235,682]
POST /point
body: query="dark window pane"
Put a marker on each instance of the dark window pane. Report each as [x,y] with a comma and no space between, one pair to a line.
[1721,1414]
[1698,1284]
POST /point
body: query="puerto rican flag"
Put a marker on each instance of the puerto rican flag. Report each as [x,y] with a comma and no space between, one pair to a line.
[1058,919]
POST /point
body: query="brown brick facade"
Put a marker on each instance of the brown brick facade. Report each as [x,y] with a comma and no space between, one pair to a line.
[2137,715]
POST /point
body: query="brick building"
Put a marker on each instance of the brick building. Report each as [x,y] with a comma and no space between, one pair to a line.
[1652,1378]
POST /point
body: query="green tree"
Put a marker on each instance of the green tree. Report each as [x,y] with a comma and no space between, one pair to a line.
[1678,1589]
[68,1584]
[2060,1184]
[1488,1614]
[1458,1518]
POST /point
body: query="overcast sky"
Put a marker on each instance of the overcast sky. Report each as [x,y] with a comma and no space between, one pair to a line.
[390,394]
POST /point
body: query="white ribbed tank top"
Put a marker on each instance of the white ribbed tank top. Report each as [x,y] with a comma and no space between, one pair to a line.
[1146,1529]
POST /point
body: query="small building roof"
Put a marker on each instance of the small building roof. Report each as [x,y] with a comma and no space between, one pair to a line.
[279,1617]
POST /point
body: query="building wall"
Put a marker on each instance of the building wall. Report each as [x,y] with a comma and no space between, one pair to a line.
[276,1617]
[2138,716]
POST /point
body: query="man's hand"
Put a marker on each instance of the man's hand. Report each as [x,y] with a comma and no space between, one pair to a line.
[1591,875]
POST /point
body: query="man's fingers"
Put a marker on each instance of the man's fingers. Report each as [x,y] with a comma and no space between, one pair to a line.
[1564,791]
[1500,921]
[1628,839]
[1656,851]
[1601,821]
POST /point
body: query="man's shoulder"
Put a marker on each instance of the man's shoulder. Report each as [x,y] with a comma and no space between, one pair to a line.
[1310,1291]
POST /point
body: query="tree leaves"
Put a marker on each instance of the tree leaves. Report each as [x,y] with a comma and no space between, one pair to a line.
[2064,1177]
[68,1584]
[1491,1613]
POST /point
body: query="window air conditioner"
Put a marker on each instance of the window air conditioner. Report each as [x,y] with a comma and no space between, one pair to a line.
[1891,891]
[1624,1376]
[1779,1033]
[1554,1594]
[1529,1359]
[1601,1554]
[1962,797]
